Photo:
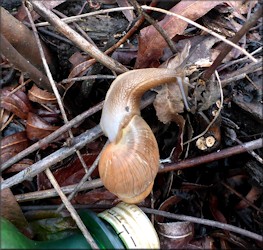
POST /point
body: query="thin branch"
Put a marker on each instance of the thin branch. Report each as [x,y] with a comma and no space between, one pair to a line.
[75,121]
[84,178]
[217,113]
[207,222]
[50,193]
[155,24]
[77,17]
[227,48]
[224,153]
[72,210]
[36,168]
[22,64]
[75,37]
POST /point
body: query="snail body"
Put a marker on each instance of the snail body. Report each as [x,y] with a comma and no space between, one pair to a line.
[130,162]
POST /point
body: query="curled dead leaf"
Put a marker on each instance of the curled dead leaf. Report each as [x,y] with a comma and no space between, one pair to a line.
[151,43]
[175,235]
[35,94]
[37,128]
[13,144]
[17,103]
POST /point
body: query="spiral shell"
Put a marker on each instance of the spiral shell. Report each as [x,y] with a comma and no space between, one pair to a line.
[129,166]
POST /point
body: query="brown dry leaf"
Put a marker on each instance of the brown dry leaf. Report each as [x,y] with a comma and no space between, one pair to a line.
[98,196]
[214,208]
[168,103]
[253,194]
[35,94]
[11,210]
[19,166]
[129,14]
[176,61]
[175,235]
[22,14]
[5,118]
[78,70]
[37,128]
[151,43]
[70,174]
[13,144]
[18,103]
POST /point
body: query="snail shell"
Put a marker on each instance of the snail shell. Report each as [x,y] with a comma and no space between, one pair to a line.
[129,164]
[128,167]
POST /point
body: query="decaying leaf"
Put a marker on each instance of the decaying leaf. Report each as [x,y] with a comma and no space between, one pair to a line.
[129,14]
[97,196]
[19,166]
[37,128]
[175,235]
[18,102]
[69,174]
[177,62]
[205,95]
[35,94]
[151,43]
[13,144]
[168,103]
[11,210]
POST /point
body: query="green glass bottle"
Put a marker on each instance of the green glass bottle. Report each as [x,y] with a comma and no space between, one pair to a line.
[124,226]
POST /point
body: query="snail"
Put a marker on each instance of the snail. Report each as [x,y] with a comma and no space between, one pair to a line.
[129,163]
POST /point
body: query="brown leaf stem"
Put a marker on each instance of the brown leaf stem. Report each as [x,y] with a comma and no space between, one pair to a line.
[224,153]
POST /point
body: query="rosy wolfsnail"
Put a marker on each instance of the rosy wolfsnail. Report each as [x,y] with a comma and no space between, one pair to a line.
[129,163]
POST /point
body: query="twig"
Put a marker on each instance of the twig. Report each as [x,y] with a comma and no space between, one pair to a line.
[72,210]
[241,197]
[150,20]
[36,168]
[52,82]
[83,78]
[51,137]
[226,49]
[22,64]
[84,178]
[224,153]
[74,18]
[78,143]
[49,193]
[241,73]
[81,42]
[202,28]
[217,113]
[84,34]
[207,222]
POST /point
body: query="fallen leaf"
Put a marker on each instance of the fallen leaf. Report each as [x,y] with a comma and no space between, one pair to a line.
[35,94]
[18,103]
[19,166]
[129,14]
[97,196]
[11,210]
[22,14]
[37,128]
[13,144]
[175,235]
[70,174]
[151,43]
[253,194]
